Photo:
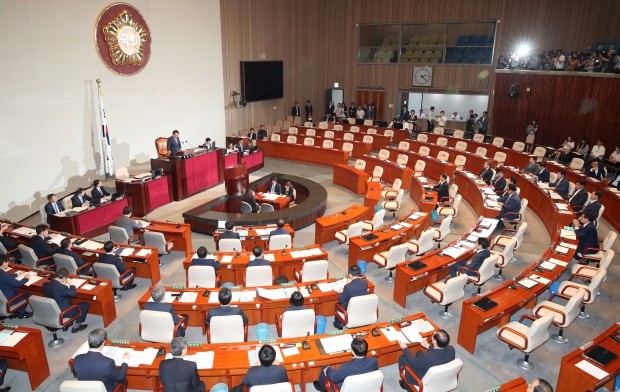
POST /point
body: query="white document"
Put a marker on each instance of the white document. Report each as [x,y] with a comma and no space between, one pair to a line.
[27,231]
[272,294]
[562,206]
[213,297]
[88,286]
[527,283]
[567,245]
[325,287]
[393,335]
[57,238]
[145,357]
[591,369]
[412,334]
[262,232]
[143,253]
[247,296]
[422,325]
[126,252]
[454,252]
[568,234]
[290,351]
[78,282]
[339,285]
[315,251]
[549,266]
[32,279]
[396,227]
[540,279]
[188,297]
[561,249]
[117,353]
[227,259]
[304,291]
[558,262]
[13,339]
[203,359]
[269,256]
[92,245]
[253,355]
[337,344]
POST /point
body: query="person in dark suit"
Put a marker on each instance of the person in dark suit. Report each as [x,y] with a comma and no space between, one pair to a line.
[4,366]
[372,111]
[473,264]
[543,174]
[296,301]
[80,198]
[94,366]
[594,207]
[266,373]
[280,230]
[579,197]
[510,204]
[110,258]
[487,173]
[177,374]
[10,282]
[561,185]
[98,193]
[229,233]
[509,180]
[250,198]
[296,110]
[404,114]
[356,287]
[531,167]
[469,124]
[289,191]
[258,258]
[262,133]
[9,245]
[241,148]
[127,223]
[53,207]
[483,123]
[209,144]
[596,172]
[39,244]
[439,353]
[158,294]
[202,259]
[225,296]
[252,136]
[442,188]
[331,109]
[309,111]
[360,364]
[274,187]
[499,182]
[586,233]
[62,291]
[174,144]
[84,268]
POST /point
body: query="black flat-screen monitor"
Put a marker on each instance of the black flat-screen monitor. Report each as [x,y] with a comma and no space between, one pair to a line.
[262,80]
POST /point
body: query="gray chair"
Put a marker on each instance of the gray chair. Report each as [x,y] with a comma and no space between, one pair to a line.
[29,258]
[266,207]
[8,307]
[118,235]
[246,208]
[157,240]
[47,314]
[67,262]
[109,272]
[7,253]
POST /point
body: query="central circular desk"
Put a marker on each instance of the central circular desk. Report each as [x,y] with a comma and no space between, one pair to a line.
[311,202]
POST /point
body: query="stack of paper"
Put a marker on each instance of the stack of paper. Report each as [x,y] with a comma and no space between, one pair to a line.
[57,238]
[33,279]
[78,282]
[188,297]
[92,245]
[336,344]
[540,279]
[247,296]
[454,252]
[145,357]
[227,259]
[562,206]
[27,231]
[392,335]
[567,234]
[117,353]
[558,262]
[567,245]
[412,333]
[592,370]
[273,294]
[143,253]
[127,252]
[269,256]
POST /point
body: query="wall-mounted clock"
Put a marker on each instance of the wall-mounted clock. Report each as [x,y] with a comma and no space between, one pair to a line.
[423,76]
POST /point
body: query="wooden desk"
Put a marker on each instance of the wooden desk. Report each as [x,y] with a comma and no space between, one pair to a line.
[391,170]
[473,163]
[517,385]
[378,140]
[251,238]
[284,264]
[399,134]
[100,298]
[179,233]
[327,226]
[311,154]
[471,190]
[425,199]
[475,321]
[572,378]
[434,167]
[373,194]
[192,175]
[91,222]
[259,310]
[146,196]
[280,203]
[361,249]
[350,178]
[253,161]
[359,147]
[230,362]
[28,355]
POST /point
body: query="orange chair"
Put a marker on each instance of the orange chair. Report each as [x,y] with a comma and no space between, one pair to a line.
[161,145]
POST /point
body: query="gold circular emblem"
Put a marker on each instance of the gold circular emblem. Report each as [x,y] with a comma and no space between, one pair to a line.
[125,38]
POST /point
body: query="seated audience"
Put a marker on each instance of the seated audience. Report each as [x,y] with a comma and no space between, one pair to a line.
[499,182]
[289,191]
[84,268]
[280,230]
[229,233]
[355,287]
[80,198]
[274,187]
[586,233]
[596,171]
[296,301]
[53,207]
[579,197]
[225,296]
[543,174]
[360,364]
[250,198]
[531,167]
[560,186]
[110,258]
[177,374]
[94,366]
[439,352]
[204,261]
[98,193]
[267,373]
[583,148]
[40,246]
[10,282]
[258,258]
[158,294]
[262,133]
[127,223]
[510,205]
[562,153]
[62,291]
[598,152]
[469,266]
[8,244]
[594,207]
[487,173]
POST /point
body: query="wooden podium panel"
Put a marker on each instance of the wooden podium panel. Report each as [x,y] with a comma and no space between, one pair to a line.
[146,196]
[91,222]
[327,226]
[253,161]
[350,178]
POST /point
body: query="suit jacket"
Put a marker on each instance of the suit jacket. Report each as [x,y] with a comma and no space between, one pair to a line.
[405,116]
[113,259]
[94,366]
[293,308]
[262,134]
[179,375]
[352,368]
[162,307]
[486,174]
[59,293]
[296,111]
[478,259]
[331,109]
[512,204]
[587,237]
[531,168]
[499,184]
[9,282]
[265,375]
[593,208]
[252,202]
[128,224]
[174,145]
[240,148]
[207,262]
[561,187]
[75,200]
[579,198]
[600,174]
[251,135]
[309,109]
[289,192]
[49,208]
[41,247]
[98,194]
[355,288]
[228,234]
[544,175]
[424,360]
[258,263]
[278,231]
[443,189]
[274,188]
[483,124]
[226,311]
[77,258]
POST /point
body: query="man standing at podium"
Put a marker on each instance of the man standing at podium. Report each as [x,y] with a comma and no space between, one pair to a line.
[174,144]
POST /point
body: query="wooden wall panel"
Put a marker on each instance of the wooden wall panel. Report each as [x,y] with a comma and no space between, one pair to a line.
[564,104]
[317,40]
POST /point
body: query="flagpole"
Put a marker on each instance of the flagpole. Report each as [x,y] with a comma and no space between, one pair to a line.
[105,137]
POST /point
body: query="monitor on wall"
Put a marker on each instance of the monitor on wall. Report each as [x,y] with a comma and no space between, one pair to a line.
[262,80]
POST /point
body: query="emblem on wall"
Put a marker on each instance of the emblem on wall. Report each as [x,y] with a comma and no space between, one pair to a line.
[123,39]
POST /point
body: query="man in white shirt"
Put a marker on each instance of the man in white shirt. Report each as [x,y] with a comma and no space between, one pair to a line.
[558,63]
[598,152]
[441,119]
[422,115]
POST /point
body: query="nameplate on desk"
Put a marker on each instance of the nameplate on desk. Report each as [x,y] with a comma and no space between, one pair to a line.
[338,332]
[396,320]
[178,287]
[12,326]
[194,344]
[266,341]
[119,341]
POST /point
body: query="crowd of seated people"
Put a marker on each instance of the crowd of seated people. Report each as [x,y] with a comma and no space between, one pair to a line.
[602,61]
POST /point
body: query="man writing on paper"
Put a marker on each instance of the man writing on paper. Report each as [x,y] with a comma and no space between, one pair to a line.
[62,291]
[439,353]
[225,296]
[177,374]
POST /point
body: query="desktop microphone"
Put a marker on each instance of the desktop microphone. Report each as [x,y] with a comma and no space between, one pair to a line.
[177,223]
[284,250]
[305,344]
[237,255]
[147,218]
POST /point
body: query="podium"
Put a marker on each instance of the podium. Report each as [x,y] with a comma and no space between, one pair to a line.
[236,180]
